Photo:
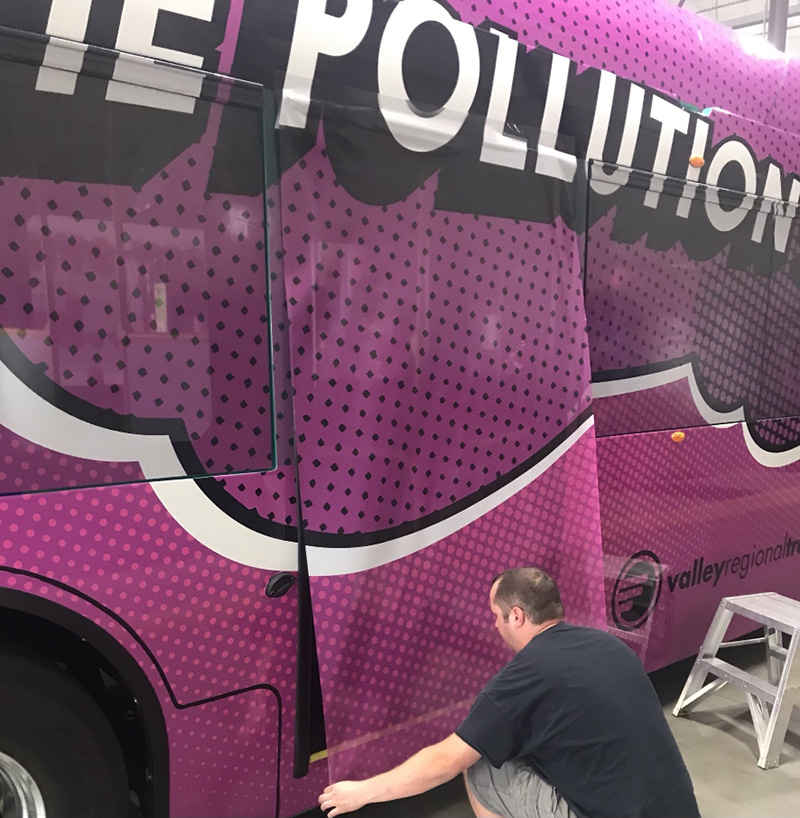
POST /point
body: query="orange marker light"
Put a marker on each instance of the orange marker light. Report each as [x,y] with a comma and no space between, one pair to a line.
[678,437]
[697,161]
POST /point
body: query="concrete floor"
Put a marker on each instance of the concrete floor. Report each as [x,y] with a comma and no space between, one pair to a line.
[718,744]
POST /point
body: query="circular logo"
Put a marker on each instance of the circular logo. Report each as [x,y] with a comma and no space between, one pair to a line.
[636,591]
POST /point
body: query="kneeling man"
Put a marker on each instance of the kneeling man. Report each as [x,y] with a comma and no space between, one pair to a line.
[571,727]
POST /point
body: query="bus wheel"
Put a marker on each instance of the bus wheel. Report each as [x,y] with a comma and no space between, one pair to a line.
[59,757]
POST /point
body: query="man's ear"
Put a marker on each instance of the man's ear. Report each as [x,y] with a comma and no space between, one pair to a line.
[517,616]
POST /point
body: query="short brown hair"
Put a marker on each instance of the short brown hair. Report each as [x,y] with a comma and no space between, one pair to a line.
[530,589]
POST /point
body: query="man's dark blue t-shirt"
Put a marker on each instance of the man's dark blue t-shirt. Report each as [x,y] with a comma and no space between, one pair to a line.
[576,703]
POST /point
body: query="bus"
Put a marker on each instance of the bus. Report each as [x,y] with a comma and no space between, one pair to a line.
[314,317]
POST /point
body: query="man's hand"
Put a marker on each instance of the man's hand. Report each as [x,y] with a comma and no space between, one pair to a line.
[345,796]
[426,769]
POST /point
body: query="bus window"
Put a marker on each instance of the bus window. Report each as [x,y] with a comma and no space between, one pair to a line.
[677,312]
[135,300]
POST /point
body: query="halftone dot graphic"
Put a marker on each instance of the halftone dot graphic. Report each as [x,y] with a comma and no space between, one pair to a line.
[430,431]
[785,114]
[233,740]
[432,352]
[206,620]
[764,141]
[240,737]
[150,302]
[28,467]
[639,303]
[779,398]
[738,329]
[662,407]
[705,497]
[648,41]
[401,657]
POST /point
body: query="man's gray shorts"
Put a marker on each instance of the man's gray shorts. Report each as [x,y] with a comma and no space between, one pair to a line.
[515,791]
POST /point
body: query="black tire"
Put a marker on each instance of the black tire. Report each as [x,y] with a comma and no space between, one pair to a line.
[52,727]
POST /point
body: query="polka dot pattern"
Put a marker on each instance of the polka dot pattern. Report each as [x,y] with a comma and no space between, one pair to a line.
[205,619]
[729,316]
[432,352]
[651,42]
[764,141]
[780,394]
[400,656]
[25,466]
[223,754]
[705,497]
[239,739]
[740,330]
[149,302]
[639,303]
[663,407]
[785,113]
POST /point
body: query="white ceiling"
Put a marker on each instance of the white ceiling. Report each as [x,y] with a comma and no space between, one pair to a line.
[748,18]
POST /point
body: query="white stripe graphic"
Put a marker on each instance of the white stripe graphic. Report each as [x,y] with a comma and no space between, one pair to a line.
[720,420]
[33,418]
[328,561]
[26,414]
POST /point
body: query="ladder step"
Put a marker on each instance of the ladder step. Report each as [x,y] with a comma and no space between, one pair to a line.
[770,704]
[740,678]
[769,609]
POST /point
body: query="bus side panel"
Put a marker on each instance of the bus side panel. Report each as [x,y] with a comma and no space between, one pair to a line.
[444,434]
[199,621]
[686,523]
[694,364]
[405,647]
[223,755]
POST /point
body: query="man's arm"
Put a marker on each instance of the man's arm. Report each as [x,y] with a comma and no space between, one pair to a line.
[427,769]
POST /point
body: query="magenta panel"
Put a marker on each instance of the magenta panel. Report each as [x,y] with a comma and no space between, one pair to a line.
[432,352]
[223,755]
[774,139]
[146,306]
[785,111]
[24,466]
[649,41]
[405,647]
[639,303]
[696,506]
[660,407]
[205,618]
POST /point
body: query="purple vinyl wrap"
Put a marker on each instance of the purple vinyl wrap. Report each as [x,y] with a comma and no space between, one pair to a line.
[402,382]
[718,524]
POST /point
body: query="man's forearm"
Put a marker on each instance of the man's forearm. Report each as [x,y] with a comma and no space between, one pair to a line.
[422,772]
[427,769]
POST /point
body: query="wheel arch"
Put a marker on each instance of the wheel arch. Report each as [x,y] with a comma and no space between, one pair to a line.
[149,711]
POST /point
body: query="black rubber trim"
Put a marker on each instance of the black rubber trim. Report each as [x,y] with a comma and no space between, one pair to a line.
[134,676]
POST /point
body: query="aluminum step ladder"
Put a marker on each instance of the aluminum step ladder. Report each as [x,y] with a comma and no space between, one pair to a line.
[771,702]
